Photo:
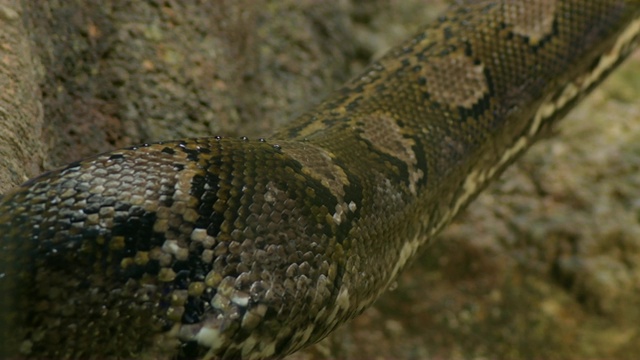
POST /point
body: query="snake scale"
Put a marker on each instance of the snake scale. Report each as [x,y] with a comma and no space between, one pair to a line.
[226,248]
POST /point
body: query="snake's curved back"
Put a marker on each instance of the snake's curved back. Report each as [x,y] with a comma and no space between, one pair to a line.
[255,248]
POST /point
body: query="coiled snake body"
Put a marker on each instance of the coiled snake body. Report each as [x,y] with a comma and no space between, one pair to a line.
[218,247]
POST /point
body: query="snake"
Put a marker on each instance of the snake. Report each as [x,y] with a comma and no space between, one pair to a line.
[221,247]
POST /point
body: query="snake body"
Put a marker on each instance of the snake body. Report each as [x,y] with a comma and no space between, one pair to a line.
[221,247]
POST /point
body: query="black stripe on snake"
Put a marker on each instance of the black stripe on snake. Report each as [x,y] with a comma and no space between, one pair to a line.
[236,248]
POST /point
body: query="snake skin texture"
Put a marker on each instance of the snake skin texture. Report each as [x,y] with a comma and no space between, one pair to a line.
[228,248]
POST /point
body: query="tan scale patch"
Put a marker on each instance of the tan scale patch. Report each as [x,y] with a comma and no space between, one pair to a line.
[385,135]
[318,164]
[549,107]
[532,19]
[455,80]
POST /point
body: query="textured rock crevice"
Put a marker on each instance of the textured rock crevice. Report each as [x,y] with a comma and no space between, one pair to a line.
[21,153]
